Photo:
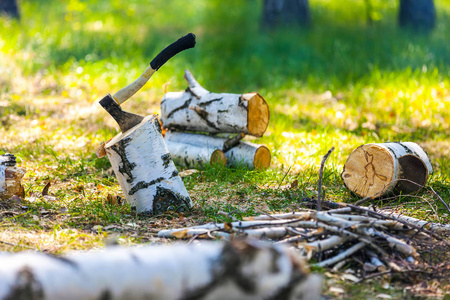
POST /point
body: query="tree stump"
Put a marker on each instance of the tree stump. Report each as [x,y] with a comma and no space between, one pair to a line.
[10,177]
[145,171]
[197,109]
[243,154]
[374,170]
[191,156]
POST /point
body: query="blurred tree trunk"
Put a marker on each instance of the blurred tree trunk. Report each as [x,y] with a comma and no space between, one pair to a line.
[285,13]
[417,14]
[9,7]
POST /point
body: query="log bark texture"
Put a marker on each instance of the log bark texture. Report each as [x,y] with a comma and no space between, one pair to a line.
[145,171]
[197,109]
[211,270]
[191,156]
[373,170]
[243,154]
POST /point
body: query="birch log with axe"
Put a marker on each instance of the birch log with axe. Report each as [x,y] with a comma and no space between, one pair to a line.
[138,155]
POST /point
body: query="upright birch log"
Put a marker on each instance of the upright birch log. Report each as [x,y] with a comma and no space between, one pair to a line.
[373,170]
[191,156]
[145,171]
[211,270]
[197,109]
[244,153]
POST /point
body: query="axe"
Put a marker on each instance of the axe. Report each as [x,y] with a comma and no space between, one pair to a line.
[112,104]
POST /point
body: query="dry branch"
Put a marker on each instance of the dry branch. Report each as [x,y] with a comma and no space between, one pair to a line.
[197,109]
[244,153]
[211,270]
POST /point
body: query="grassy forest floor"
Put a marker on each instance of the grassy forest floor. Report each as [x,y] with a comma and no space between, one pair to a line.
[339,83]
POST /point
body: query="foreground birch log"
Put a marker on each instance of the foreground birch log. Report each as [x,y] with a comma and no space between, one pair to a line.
[197,109]
[374,170]
[191,156]
[145,171]
[10,177]
[211,270]
[244,153]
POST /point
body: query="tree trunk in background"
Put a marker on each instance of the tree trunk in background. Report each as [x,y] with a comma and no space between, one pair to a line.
[417,14]
[9,7]
[285,13]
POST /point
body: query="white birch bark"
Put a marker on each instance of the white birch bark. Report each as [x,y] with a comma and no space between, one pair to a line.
[374,170]
[2,179]
[191,156]
[145,172]
[245,154]
[197,109]
[211,270]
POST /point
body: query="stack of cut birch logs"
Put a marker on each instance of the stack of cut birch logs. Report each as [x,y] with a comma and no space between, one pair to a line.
[10,177]
[198,110]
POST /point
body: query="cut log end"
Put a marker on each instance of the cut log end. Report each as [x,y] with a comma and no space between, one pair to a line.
[369,170]
[374,170]
[218,157]
[262,158]
[258,114]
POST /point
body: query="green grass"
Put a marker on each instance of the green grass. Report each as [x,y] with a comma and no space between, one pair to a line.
[339,83]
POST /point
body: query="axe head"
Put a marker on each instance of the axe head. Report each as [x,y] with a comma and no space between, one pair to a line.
[125,119]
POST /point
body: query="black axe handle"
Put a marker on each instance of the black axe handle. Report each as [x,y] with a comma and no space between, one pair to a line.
[183,43]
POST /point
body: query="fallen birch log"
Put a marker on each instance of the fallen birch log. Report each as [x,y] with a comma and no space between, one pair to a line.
[197,109]
[211,270]
[145,171]
[10,177]
[191,156]
[253,156]
[374,170]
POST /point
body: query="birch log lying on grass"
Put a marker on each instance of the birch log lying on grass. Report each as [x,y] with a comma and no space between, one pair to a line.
[373,170]
[244,153]
[10,177]
[197,109]
[211,270]
[191,156]
[145,172]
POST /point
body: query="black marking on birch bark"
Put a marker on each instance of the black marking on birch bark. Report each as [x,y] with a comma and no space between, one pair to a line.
[189,90]
[217,271]
[105,295]
[286,292]
[65,260]
[158,126]
[143,185]
[204,116]
[127,166]
[166,199]
[206,103]
[174,174]
[407,150]
[177,127]
[166,160]
[185,105]
[26,287]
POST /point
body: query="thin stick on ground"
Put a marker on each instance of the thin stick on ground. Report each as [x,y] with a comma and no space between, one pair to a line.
[322,164]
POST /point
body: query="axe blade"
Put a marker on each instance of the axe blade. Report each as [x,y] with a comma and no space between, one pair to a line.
[125,119]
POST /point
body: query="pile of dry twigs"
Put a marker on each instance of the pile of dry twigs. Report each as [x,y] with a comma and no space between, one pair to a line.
[372,242]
